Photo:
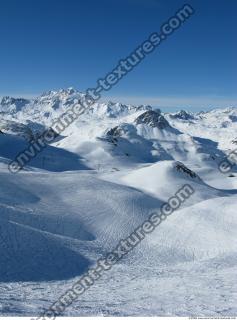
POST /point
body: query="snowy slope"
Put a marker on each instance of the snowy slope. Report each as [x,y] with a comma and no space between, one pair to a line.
[44,209]
[142,137]
[55,225]
[77,199]
[16,128]
[50,159]
[219,125]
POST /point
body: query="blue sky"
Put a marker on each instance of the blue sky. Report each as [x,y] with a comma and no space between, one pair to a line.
[57,44]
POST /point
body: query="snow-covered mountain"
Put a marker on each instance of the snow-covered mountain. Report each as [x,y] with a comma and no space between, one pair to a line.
[16,128]
[219,125]
[93,186]
[50,105]
[10,105]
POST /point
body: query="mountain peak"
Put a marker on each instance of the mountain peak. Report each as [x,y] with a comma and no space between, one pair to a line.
[61,92]
[11,105]
[153,118]
[182,114]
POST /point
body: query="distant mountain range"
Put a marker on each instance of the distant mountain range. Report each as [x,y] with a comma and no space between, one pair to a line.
[125,133]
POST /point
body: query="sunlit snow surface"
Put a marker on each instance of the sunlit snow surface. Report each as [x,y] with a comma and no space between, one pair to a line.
[111,168]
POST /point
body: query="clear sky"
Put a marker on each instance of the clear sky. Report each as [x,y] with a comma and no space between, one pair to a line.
[52,44]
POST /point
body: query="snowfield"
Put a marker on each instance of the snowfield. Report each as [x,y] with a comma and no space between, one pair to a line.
[95,185]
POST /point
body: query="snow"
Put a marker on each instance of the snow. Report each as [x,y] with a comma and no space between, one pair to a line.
[219,125]
[50,159]
[91,188]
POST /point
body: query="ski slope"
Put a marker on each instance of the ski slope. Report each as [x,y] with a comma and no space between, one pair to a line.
[111,169]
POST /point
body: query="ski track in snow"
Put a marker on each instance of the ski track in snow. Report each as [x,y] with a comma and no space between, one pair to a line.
[150,281]
[92,187]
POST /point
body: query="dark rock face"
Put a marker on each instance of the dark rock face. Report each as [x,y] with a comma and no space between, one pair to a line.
[181,167]
[114,132]
[16,128]
[233,118]
[153,118]
[182,114]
